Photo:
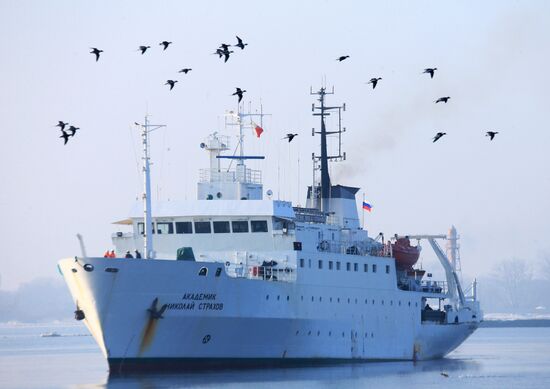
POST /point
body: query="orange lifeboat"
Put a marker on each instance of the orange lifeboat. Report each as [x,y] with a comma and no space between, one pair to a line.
[405,255]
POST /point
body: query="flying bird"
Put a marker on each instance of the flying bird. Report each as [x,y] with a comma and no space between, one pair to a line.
[143,49]
[239,92]
[226,54]
[438,135]
[61,125]
[165,44]
[430,71]
[65,136]
[185,70]
[374,81]
[240,43]
[290,137]
[343,57]
[224,46]
[73,129]
[171,83]
[96,51]
[219,52]
[443,99]
[444,374]
[491,134]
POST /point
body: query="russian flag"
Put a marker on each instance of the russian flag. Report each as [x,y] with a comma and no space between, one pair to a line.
[367,206]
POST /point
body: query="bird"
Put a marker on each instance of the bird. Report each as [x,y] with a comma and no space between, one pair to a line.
[65,136]
[290,137]
[443,99]
[144,49]
[239,92]
[444,374]
[224,46]
[430,71]
[226,54]
[491,134]
[341,58]
[219,52]
[240,43]
[96,51]
[185,70]
[374,81]
[171,83]
[73,129]
[438,135]
[165,44]
[61,125]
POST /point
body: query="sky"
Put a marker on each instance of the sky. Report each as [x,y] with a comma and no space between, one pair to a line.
[492,58]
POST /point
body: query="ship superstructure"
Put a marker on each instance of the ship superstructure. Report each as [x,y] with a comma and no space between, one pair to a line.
[234,279]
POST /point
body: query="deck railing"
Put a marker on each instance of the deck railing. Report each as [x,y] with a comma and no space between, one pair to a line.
[266,273]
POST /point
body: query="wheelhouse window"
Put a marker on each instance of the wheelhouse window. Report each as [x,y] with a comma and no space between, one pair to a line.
[329,265]
[165,228]
[365,267]
[258,225]
[239,226]
[221,227]
[387,269]
[355,266]
[141,227]
[337,265]
[202,228]
[374,268]
[320,263]
[184,228]
[348,266]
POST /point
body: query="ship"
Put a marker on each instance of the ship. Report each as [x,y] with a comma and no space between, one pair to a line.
[236,280]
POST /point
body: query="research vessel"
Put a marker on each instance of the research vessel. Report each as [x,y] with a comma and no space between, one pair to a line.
[238,279]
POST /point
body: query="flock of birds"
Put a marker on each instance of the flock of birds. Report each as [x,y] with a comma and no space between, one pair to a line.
[431,71]
[223,51]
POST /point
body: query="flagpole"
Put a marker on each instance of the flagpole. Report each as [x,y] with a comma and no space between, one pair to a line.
[363,212]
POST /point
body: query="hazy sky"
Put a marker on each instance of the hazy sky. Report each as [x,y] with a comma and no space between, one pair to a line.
[493,59]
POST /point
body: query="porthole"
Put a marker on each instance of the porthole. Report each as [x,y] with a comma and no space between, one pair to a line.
[409,303]
[88,267]
[219,195]
[330,299]
[309,332]
[320,299]
[297,332]
[267,297]
[355,301]
[287,298]
[312,298]
[372,301]
[218,271]
[318,333]
[203,271]
[338,299]
[348,300]
[330,333]
[278,298]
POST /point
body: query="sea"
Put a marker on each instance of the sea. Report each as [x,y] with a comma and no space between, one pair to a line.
[490,358]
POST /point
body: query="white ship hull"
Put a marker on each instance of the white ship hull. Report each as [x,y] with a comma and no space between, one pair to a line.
[213,321]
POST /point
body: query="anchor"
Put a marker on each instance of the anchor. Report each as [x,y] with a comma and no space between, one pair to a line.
[155,313]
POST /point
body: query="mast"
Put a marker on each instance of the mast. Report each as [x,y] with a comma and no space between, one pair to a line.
[324,157]
[146,128]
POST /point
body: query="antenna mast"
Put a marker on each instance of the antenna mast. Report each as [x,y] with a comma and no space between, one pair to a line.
[146,128]
[325,187]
